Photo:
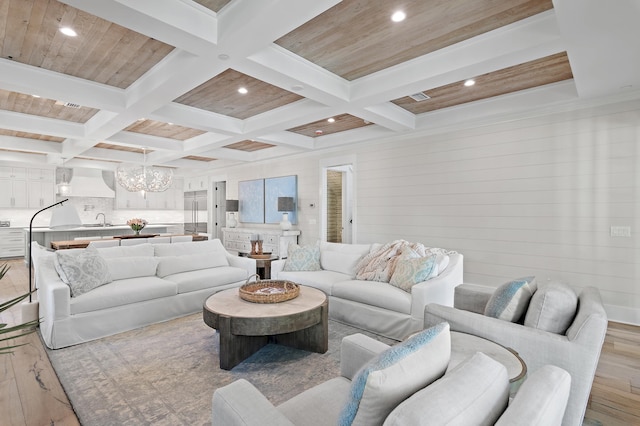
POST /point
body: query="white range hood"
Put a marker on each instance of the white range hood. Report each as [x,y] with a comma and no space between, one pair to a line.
[89,183]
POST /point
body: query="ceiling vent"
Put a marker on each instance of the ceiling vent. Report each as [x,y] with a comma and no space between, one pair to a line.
[68,104]
[421,96]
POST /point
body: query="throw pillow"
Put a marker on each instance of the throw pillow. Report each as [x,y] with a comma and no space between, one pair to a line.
[510,301]
[552,308]
[302,258]
[412,269]
[83,271]
[396,374]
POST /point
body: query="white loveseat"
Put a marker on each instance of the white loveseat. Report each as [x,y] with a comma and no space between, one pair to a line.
[149,283]
[371,305]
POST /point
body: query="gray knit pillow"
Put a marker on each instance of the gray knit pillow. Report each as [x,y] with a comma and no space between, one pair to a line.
[82,270]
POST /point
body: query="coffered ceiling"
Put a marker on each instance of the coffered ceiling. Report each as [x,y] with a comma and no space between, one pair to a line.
[163,76]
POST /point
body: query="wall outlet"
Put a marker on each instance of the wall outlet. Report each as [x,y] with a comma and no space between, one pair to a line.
[620,231]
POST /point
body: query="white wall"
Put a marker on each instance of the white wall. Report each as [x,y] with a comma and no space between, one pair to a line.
[529,197]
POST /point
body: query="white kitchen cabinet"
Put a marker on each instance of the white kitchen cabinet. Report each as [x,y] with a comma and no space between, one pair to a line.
[171,199]
[274,241]
[41,193]
[12,242]
[44,175]
[197,183]
[13,192]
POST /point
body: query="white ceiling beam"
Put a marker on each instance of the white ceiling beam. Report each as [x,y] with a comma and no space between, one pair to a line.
[32,145]
[19,122]
[196,118]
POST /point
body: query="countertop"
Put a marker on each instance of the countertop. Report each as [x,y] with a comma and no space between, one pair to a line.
[99,228]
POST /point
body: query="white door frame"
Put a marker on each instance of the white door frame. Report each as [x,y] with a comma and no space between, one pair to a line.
[345,164]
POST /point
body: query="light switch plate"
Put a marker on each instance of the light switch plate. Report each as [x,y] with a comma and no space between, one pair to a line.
[620,231]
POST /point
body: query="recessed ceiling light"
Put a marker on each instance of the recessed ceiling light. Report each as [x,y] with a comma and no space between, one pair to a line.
[36,96]
[398,16]
[223,56]
[243,90]
[297,87]
[331,120]
[470,82]
[68,31]
[319,132]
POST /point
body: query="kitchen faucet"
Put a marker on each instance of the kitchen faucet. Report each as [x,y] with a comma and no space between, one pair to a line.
[104,219]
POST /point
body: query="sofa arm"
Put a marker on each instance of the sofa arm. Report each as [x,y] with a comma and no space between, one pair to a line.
[356,351]
[472,297]
[276,267]
[240,403]
[541,400]
[439,289]
[245,263]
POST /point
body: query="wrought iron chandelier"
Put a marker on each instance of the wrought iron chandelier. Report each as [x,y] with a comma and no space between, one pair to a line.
[136,178]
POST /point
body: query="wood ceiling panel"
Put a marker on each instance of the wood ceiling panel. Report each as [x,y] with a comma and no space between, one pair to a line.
[249,146]
[199,158]
[5,132]
[342,122]
[27,104]
[122,148]
[103,52]
[357,37]
[215,5]
[220,95]
[164,130]
[520,77]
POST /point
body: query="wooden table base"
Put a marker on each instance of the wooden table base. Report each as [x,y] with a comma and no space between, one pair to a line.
[241,337]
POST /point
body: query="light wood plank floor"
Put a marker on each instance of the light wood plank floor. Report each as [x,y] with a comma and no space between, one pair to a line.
[30,393]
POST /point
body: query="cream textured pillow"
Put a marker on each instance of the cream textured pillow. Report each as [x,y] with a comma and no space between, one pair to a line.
[302,258]
[552,308]
[411,269]
[82,271]
[396,374]
[510,301]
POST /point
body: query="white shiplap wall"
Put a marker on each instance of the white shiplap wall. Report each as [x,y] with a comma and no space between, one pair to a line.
[529,197]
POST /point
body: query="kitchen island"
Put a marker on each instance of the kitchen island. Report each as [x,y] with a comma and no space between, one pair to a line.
[73,244]
[44,236]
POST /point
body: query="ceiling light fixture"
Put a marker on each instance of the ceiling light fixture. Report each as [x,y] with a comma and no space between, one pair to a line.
[136,178]
[68,31]
[243,90]
[398,16]
[470,82]
[64,187]
[331,120]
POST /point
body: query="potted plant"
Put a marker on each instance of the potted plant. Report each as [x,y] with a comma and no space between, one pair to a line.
[16,331]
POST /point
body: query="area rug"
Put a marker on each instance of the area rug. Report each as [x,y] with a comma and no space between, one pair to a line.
[165,374]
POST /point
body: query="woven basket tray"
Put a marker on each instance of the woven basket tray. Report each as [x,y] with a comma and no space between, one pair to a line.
[268,291]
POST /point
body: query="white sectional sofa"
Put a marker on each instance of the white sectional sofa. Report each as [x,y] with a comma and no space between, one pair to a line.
[371,305]
[149,283]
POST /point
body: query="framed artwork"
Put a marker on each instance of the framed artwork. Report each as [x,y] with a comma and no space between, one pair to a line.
[285,186]
[251,201]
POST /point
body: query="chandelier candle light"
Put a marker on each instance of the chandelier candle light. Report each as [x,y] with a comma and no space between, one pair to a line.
[137,225]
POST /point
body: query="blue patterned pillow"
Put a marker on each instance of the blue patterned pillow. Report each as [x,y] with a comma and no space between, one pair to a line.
[396,374]
[412,269]
[510,301]
[302,258]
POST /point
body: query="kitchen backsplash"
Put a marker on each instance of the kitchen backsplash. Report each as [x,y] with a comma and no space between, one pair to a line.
[87,209]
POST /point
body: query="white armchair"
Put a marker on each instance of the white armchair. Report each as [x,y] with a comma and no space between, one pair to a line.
[576,351]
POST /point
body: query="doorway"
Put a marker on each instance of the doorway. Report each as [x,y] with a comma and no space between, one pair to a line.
[338,202]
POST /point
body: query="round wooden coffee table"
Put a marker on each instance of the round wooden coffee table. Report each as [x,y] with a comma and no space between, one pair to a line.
[245,327]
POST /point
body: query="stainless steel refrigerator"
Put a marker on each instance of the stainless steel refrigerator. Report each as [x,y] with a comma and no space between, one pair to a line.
[195,212]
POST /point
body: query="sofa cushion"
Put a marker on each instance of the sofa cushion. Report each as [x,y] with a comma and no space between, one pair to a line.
[378,294]
[126,251]
[123,292]
[169,265]
[412,269]
[319,405]
[302,258]
[322,280]
[122,268]
[476,392]
[342,258]
[510,301]
[207,278]
[395,374]
[192,247]
[82,271]
[552,308]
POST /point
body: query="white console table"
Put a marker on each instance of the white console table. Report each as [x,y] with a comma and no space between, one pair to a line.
[274,241]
